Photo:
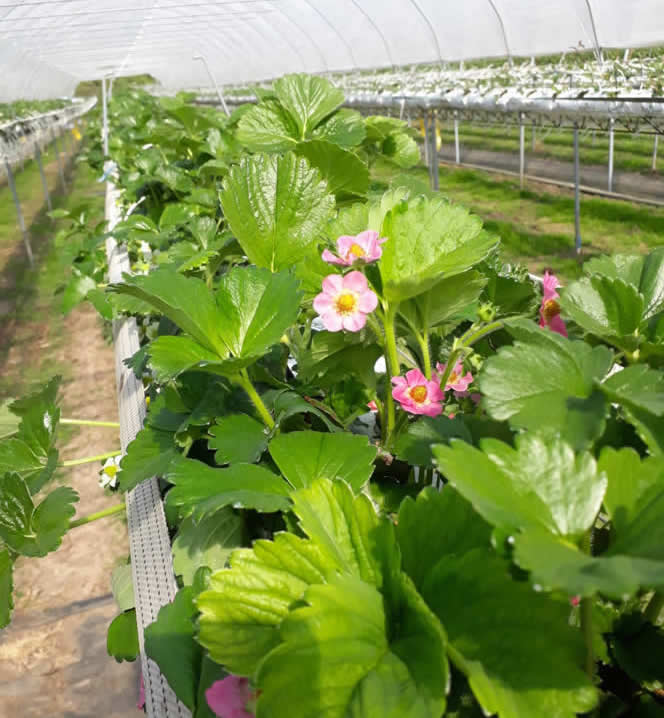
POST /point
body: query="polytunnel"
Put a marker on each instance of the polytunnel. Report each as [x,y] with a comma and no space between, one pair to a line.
[48,46]
[385,67]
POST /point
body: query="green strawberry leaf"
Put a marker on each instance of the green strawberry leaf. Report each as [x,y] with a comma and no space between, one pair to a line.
[539,483]
[305,456]
[149,454]
[237,439]
[308,99]
[122,637]
[208,542]
[122,586]
[335,653]
[546,381]
[401,149]
[437,524]
[521,662]
[169,641]
[608,308]
[6,586]
[201,490]
[186,301]
[267,127]
[637,387]
[277,208]
[428,240]
[33,530]
[416,443]
[345,173]
[344,128]
[172,356]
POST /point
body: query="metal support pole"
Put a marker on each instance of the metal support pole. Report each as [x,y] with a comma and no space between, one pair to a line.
[61,169]
[654,153]
[534,138]
[522,152]
[457,154]
[38,159]
[577,193]
[214,81]
[19,213]
[434,152]
[611,154]
[426,142]
[104,110]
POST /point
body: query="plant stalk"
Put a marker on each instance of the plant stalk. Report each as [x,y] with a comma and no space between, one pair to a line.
[423,341]
[392,365]
[586,615]
[91,459]
[654,607]
[97,515]
[88,422]
[245,382]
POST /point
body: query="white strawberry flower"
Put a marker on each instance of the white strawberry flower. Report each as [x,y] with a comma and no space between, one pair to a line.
[108,476]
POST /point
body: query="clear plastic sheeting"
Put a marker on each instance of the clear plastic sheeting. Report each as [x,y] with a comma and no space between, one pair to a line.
[46,46]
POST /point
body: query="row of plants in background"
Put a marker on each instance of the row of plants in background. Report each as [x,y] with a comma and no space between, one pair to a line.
[402,479]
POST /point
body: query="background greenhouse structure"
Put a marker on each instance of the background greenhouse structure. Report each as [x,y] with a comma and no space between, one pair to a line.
[503,99]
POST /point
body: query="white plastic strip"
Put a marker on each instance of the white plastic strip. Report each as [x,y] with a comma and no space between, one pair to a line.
[149,543]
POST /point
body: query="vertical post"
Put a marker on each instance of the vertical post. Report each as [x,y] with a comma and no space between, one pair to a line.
[654,153]
[577,193]
[457,154]
[426,142]
[522,151]
[534,138]
[434,151]
[38,159]
[61,169]
[214,82]
[611,154]
[104,110]
[19,213]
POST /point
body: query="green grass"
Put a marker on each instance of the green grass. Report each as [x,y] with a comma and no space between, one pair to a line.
[631,152]
[537,229]
[34,330]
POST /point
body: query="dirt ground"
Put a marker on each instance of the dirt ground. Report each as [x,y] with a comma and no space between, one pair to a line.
[53,659]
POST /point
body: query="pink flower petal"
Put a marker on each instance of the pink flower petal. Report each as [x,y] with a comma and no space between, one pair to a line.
[367,301]
[433,409]
[364,238]
[372,406]
[434,392]
[558,325]
[399,381]
[332,321]
[333,284]
[355,282]
[344,243]
[330,258]
[354,322]
[323,302]
[549,286]
[228,698]
[415,377]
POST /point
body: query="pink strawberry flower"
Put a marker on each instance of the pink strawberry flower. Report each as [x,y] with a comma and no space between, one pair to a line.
[345,302]
[457,380]
[228,698]
[365,247]
[575,601]
[372,406]
[418,395]
[550,309]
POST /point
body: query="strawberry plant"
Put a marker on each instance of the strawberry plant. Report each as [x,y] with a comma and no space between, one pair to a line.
[402,478]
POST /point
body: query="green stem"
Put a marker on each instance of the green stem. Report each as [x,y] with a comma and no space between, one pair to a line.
[98,515]
[245,382]
[654,607]
[392,366]
[472,336]
[90,459]
[586,615]
[87,422]
[423,341]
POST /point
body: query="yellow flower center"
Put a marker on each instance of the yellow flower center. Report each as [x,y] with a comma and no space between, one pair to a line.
[452,378]
[550,309]
[346,303]
[418,393]
[111,470]
[357,251]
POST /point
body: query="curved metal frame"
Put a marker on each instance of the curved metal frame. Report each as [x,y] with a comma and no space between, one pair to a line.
[309,37]
[502,28]
[598,49]
[377,29]
[425,17]
[339,34]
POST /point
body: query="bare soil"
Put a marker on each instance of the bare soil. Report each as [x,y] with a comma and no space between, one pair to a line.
[53,659]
